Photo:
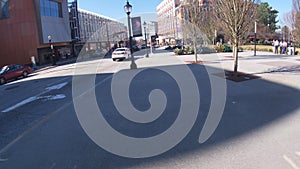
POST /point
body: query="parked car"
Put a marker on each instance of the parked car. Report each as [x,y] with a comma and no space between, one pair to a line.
[177,47]
[143,46]
[120,54]
[135,48]
[13,71]
[168,48]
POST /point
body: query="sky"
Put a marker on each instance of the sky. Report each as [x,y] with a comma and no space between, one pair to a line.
[115,8]
[283,6]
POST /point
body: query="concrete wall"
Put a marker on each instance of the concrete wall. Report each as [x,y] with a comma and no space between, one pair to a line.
[58,28]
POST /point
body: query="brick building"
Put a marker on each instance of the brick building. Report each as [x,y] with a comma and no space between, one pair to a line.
[25,26]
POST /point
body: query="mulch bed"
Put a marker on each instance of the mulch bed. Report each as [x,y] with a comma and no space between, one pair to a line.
[194,62]
[231,57]
[239,77]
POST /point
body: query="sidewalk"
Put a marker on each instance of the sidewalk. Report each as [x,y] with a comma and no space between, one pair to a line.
[283,69]
[58,63]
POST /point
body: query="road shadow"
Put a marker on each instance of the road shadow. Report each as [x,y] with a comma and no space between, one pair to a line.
[250,106]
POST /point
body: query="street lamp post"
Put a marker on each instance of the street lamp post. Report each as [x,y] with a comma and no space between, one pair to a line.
[145,25]
[128,9]
[52,53]
[255,27]
[215,38]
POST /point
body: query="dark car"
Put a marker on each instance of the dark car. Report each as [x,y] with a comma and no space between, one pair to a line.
[178,47]
[168,48]
[14,71]
[135,48]
[143,46]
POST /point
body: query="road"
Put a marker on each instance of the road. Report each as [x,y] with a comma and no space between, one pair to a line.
[40,126]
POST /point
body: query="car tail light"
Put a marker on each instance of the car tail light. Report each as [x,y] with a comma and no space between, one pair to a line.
[123,52]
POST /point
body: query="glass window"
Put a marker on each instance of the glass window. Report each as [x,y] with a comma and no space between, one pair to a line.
[4,9]
[51,8]
[3,69]
[47,12]
[59,10]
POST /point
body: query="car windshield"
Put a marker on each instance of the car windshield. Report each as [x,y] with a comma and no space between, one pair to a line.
[117,50]
[3,69]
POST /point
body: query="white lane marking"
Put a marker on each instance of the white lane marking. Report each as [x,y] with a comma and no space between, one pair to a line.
[30,99]
[9,145]
[57,87]
[52,97]
[2,160]
[288,160]
[298,153]
[33,98]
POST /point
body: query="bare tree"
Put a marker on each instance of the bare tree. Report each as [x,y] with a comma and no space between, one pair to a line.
[292,20]
[198,26]
[296,5]
[285,33]
[235,17]
[296,30]
[289,19]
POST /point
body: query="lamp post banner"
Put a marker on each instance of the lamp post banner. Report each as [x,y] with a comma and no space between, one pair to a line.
[136,26]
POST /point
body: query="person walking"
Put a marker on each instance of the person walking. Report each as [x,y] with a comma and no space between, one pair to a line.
[284,47]
[276,44]
[33,62]
[280,47]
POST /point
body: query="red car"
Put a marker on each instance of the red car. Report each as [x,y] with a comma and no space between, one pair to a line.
[14,71]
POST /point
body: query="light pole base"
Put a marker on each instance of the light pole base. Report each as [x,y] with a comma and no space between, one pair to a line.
[133,66]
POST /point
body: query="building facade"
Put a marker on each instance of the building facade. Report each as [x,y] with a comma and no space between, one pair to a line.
[25,26]
[98,31]
[172,16]
[166,20]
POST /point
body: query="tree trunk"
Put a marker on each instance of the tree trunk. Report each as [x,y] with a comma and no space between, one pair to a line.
[195,52]
[235,55]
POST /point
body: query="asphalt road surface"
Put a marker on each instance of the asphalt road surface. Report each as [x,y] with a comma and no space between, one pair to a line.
[39,127]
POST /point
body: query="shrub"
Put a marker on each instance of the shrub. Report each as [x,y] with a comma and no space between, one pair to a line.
[219,48]
[178,51]
[241,49]
[206,50]
[191,51]
[227,49]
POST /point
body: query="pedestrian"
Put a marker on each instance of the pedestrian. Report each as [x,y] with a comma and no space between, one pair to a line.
[280,47]
[276,44]
[284,47]
[33,62]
